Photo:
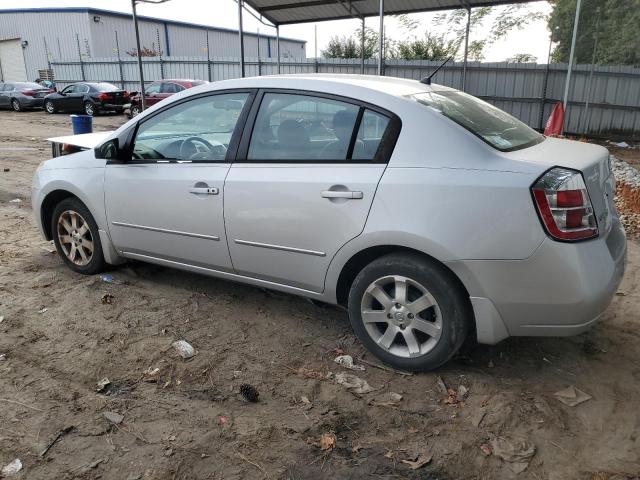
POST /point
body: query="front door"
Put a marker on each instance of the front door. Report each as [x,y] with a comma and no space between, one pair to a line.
[302,185]
[166,203]
[5,96]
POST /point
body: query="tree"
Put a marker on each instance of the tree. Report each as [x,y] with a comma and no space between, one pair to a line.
[430,47]
[614,23]
[522,58]
[350,47]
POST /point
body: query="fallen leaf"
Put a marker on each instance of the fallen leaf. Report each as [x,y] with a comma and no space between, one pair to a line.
[113,417]
[421,461]
[309,373]
[389,399]
[572,396]
[353,383]
[486,449]
[102,384]
[516,452]
[328,441]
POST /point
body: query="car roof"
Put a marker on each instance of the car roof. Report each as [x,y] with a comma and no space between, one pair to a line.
[387,85]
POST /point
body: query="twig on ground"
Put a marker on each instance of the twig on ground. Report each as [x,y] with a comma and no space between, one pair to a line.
[60,434]
[242,457]
[382,367]
[21,404]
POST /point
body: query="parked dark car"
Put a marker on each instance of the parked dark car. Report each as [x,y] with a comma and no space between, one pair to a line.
[88,98]
[22,95]
[160,90]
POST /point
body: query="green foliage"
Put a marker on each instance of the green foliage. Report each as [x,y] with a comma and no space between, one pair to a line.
[615,24]
[349,47]
[522,58]
[430,47]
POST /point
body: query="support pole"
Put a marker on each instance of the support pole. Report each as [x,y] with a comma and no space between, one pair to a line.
[241,38]
[278,47]
[381,41]
[362,49]
[567,81]
[466,50]
[135,25]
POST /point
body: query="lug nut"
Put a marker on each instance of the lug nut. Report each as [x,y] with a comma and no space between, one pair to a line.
[398,305]
[410,315]
[389,315]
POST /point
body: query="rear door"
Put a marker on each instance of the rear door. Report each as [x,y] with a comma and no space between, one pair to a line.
[68,95]
[303,183]
[166,203]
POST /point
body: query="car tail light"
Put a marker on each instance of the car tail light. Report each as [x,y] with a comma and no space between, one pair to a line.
[125,94]
[28,93]
[563,204]
[103,96]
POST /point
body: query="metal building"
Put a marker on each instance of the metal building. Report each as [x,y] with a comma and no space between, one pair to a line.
[31,38]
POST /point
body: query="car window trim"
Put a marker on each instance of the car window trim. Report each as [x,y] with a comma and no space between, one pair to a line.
[235,136]
[382,155]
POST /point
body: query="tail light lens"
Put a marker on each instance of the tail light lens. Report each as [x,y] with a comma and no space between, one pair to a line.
[563,204]
[125,94]
[28,93]
[103,96]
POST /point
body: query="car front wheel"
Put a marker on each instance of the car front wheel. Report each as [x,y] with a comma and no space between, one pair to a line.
[409,311]
[49,107]
[75,234]
[135,110]
[15,104]
[89,109]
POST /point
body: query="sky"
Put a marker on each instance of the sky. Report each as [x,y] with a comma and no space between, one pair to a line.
[533,39]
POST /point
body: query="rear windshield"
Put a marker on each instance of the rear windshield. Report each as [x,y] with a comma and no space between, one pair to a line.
[30,85]
[497,128]
[105,87]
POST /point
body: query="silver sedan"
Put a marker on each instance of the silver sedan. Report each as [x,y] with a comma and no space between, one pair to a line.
[431,216]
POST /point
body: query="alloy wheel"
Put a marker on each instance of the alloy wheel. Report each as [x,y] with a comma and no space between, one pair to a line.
[135,111]
[49,107]
[15,105]
[401,316]
[88,108]
[75,237]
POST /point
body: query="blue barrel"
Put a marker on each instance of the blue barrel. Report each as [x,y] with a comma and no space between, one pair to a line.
[81,124]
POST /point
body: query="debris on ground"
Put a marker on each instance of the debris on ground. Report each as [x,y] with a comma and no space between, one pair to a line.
[107,299]
[184,349]
[60,434]
[150,375]
[306,402]
[13,468]
[517,453]
[389,399]
[462,393]
[103,384]
[108,278]
[327,441]
[353,383]
[418,461]
[441,386]
[486,449]
[113,417]
[50,250]
[572,396]
[249,392]
[627,195]
[3,357]
[347,362]
[6,169]
[42,310]
[1,318]
[15,200]
[309,373]
[619,144]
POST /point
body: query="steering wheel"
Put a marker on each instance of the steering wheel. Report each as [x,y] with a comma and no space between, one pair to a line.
[197,148]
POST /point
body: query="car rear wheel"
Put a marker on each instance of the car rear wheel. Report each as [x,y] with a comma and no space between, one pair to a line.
[135,110]
[89,109]
[49,107]
[15,104]
[408,311]
[75,234]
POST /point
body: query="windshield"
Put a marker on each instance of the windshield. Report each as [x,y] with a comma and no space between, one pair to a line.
[497,128]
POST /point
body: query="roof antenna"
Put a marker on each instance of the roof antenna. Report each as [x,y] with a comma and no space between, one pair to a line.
[427,80]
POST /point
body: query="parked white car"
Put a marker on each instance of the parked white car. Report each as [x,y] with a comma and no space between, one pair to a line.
[430,215]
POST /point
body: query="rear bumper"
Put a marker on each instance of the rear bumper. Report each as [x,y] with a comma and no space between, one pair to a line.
[111,106]
[30,102]
[560,290]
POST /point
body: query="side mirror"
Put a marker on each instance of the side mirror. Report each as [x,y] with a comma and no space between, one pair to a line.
[133,94]
[109,151]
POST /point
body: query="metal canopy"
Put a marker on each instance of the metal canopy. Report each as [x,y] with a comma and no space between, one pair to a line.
[283,12]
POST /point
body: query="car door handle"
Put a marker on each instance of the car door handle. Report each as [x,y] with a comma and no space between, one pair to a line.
[204,190]
[353,195]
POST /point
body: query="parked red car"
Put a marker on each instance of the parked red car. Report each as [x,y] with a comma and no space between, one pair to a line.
[159,91]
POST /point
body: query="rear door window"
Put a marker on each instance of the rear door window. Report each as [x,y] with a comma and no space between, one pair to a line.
[302,128]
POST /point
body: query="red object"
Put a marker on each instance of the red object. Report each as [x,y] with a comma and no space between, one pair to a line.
[28,93]
[553,128]
[103,96]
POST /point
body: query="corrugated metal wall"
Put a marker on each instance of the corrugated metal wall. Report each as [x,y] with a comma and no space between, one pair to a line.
[58,30]
[612,92]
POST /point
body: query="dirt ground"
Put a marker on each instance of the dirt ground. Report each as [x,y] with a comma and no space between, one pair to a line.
[187,420]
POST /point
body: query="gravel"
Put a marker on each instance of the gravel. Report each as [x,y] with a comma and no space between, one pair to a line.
[627,196]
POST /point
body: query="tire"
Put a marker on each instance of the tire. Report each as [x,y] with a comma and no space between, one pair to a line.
[15,104]
[50,107]
[89,109]
[135,110]
[68,234]
[399,332]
